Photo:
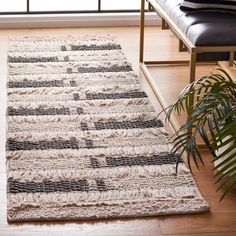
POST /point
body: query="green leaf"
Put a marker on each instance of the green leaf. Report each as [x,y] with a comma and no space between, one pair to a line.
[210,103]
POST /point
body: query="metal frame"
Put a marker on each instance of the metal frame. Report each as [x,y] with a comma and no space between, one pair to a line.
[28,12]
[184,45]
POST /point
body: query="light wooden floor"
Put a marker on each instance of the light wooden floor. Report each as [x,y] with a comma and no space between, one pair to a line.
[221,220]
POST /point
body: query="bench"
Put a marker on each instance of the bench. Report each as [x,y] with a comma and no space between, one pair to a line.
[207,36]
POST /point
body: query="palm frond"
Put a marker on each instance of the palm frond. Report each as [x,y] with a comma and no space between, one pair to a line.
[210,103]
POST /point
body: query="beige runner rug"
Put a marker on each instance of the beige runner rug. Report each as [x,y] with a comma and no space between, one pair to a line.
[83,140]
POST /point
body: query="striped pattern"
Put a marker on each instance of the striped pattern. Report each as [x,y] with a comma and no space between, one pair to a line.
[83,139]
[208,5]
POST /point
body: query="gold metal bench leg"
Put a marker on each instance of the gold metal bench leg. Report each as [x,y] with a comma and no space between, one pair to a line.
[142,23]
[193,59]
[192,75]
[231,58]
[225,66]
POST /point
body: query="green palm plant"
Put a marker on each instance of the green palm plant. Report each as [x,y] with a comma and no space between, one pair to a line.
[210,103]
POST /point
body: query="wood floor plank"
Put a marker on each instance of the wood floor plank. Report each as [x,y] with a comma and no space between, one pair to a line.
[205,234]
[220,221]
[200,223]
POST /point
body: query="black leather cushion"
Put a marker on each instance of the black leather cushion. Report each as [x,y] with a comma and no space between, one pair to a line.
[216,5]
[203,28]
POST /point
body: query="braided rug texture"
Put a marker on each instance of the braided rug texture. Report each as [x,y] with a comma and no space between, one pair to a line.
[83,140]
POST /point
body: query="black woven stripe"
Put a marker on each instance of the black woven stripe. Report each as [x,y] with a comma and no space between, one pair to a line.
[95,163]
[101,186]
[94,96]
[48,186]
[69,70]
[89,143]
[80,110]
[141,160]
[76,96]
[14,145]
[73,83]
[66,58]
[105,69]
[101,69]
[62,186]
[32,59]
[63,48]
[128,124]
[94,47]
[36,84]
[38,111]
[84,126]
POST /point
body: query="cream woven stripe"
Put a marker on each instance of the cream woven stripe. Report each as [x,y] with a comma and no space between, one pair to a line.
[106,173]
[35,44]
[152,208]
[88,153]
[83,79]
[65,94]
[72,55]
[91,199]
[43,123]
